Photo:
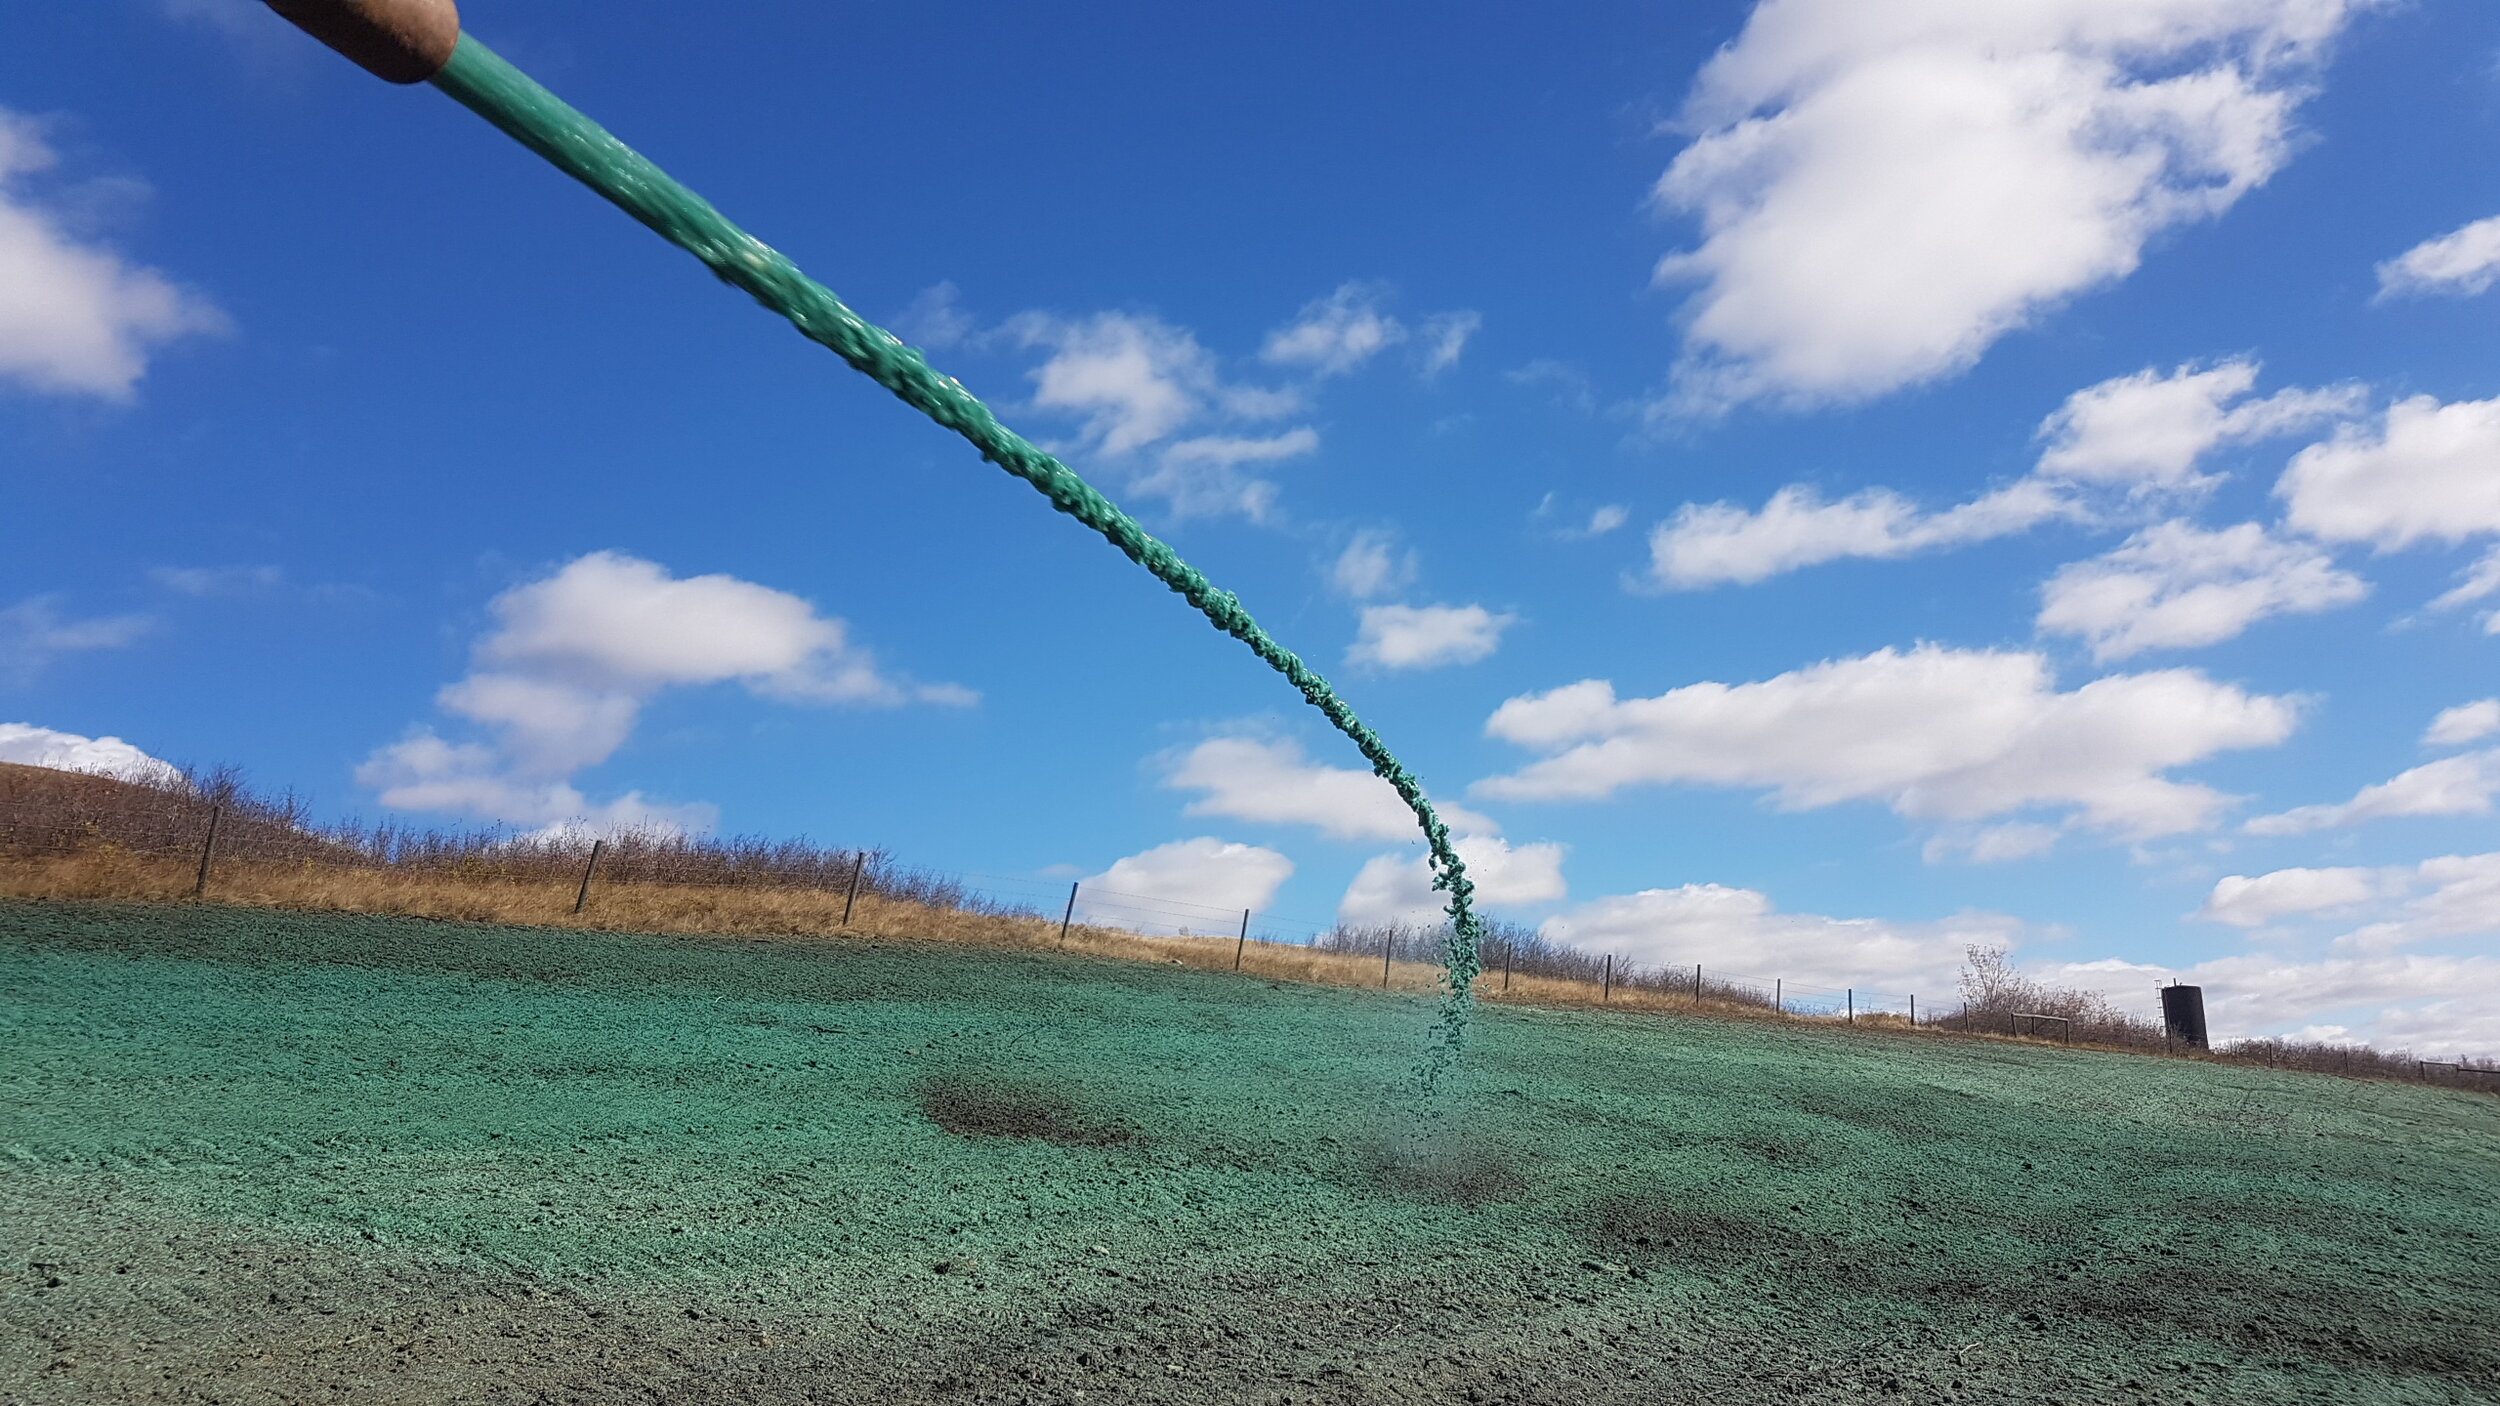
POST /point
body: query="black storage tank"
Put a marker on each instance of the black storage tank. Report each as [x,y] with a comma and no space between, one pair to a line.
[2183,1014]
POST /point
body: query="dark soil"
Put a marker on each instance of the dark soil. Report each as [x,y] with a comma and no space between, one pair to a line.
[996,1107]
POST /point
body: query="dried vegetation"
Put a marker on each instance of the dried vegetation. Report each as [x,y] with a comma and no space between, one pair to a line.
[79,837]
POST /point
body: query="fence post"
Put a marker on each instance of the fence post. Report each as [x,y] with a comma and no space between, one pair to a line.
[859,865]
[588,869]
[1244,944]
[1069,916]
[208,852]
[1696,983]
[1779,998]
[1853,1005]
[1506,949]
[1607,991]
[1388,946]
[1913,1010]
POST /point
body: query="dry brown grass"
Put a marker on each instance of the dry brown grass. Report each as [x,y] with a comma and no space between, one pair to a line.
[110,874]
[70,835]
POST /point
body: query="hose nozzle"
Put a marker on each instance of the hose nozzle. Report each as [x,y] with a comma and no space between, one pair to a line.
[404,41]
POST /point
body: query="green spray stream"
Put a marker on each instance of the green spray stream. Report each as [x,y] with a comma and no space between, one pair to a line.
[503,95]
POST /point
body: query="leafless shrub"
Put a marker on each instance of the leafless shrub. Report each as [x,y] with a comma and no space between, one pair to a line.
[46,812]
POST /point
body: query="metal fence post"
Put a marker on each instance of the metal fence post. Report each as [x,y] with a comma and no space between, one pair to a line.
[1607,991]
[1779,998]
[1853,1005]
[1913,1010]
[588,869]
[1244,944]
[208,852]
[859,865]
[1069,916]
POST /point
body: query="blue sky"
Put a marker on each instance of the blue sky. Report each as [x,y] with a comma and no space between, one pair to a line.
[1812,484]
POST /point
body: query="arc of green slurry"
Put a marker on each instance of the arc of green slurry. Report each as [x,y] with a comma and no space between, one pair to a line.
[482,82]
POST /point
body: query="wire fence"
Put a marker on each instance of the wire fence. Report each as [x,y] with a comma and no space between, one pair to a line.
[1077,903]
[212,824]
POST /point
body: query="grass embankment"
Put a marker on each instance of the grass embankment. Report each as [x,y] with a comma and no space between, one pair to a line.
[108,874]
[251,1155]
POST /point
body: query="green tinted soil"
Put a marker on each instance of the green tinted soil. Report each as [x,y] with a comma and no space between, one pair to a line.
[251,1155]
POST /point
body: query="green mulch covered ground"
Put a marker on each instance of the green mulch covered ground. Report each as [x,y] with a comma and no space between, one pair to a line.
[263,1156]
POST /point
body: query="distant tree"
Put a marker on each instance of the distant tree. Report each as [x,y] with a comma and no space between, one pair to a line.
[1990,983]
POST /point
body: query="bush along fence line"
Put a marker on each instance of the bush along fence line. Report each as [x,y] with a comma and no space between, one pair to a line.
[197,830]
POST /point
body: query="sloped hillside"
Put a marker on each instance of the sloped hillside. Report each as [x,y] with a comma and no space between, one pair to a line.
[261,1156]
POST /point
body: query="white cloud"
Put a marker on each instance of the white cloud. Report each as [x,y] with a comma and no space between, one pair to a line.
[252,27]
[1566,383]
[422,772]
[33,633]
[2455,895]
[1934,733]
[1133,378]
[561,681]
[2482,580]
[611,621]
[1884,190]
[1204,872]
[1201,477]
[2464,896]
[2459,785]
[2423,1001]
[1137,383]
[217,580]
[2366,985]
[936,318]
[75,318]
[545,726]
[1398,888]
[1445,338]
[2461,263]
[1991,844]
[2466,722]
[2176,586]
[2246,902]
[1371,565]
[2424,472]
[1720,543]
[29,745]
[1336,334]
[2111,445]
[1604,518]
[1272,782]
[1738,932]
[1427,636]
[2149,431]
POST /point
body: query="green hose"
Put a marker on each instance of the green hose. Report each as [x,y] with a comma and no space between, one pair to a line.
[493,89]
